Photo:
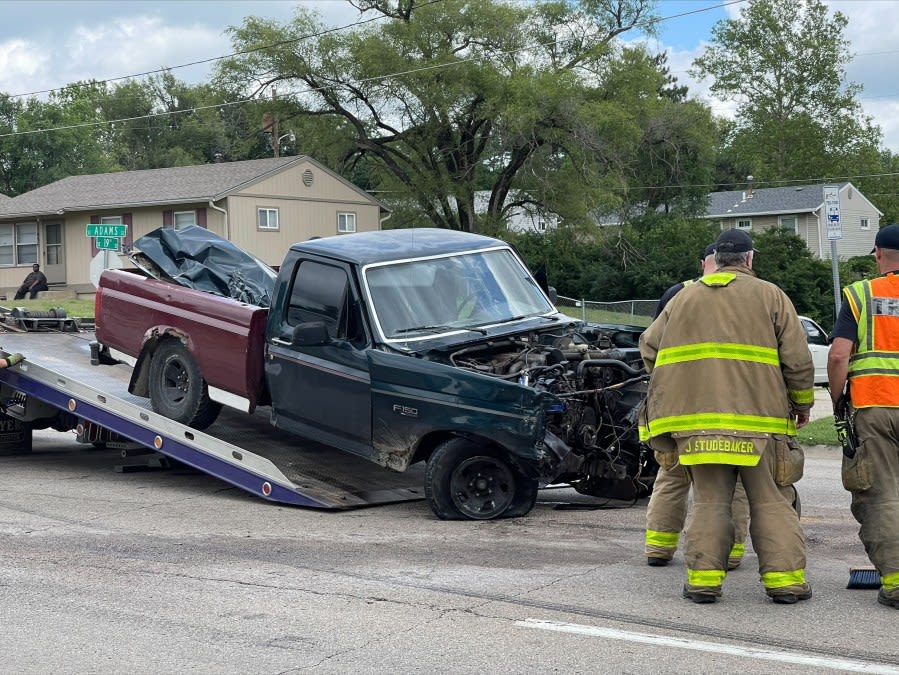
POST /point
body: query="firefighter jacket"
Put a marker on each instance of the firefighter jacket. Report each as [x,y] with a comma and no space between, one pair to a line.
[874,367]
[729,364]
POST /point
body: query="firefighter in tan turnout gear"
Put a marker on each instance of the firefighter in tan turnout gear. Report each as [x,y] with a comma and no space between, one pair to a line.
[865,347]
[731,381]
[667,510]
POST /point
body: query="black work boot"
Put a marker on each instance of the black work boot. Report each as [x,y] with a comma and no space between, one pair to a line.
[790,598]
[701,597]
[652,561]
[884,599]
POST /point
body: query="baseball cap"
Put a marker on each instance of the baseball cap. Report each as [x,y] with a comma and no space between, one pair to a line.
[734,241]
[709,250]
[887,237]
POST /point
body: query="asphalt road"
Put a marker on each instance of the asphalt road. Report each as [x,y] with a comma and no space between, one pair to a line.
[174,571]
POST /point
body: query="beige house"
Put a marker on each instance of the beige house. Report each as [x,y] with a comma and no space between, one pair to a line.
[262,205]
[800,208]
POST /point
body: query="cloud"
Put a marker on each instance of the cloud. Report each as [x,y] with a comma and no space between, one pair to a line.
[22,58]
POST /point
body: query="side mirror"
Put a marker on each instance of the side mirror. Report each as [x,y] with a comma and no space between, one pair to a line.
[310,334]
[553,295]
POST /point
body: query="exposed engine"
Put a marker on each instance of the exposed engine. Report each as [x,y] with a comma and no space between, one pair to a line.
[597,374]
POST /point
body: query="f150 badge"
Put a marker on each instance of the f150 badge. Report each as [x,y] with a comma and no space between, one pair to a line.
[405,410]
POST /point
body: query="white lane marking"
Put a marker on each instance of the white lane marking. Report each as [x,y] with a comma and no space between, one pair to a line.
[697,645]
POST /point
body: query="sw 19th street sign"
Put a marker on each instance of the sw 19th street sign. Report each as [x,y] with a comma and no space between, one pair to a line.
[108,243]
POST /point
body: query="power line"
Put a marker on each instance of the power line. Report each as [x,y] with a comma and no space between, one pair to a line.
[212,59]
[388,76]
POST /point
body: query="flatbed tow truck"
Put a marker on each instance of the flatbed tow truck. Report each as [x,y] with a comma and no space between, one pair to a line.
[57,387]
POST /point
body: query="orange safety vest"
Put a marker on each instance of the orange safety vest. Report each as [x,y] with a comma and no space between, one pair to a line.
[874,367]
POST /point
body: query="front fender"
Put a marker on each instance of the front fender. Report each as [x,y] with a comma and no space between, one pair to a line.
[412,398]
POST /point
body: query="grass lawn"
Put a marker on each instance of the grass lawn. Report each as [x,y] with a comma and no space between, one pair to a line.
[819,432]
[75,309]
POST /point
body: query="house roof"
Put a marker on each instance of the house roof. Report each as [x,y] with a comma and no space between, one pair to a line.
[766,201]
[149,187]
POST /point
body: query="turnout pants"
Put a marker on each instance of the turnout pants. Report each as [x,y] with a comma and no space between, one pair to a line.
[667,513]
[876,508]
[774,526]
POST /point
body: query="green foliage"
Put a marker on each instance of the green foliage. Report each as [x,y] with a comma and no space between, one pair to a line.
[784,62]
[784,260]
[446,99]
[619,263]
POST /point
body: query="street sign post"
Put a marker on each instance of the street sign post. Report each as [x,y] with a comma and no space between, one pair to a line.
[834,233]
[98,230]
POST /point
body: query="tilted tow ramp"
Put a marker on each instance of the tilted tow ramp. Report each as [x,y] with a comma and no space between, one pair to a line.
[56,382]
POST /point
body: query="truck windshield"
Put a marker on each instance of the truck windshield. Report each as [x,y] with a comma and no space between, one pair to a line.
[413,298]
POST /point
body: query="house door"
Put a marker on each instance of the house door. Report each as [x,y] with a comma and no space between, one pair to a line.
[54,263]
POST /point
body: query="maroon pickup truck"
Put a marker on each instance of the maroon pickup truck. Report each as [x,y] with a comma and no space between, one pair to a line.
[400,346]
[191,350]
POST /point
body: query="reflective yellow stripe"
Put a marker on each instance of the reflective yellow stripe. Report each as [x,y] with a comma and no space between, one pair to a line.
[772,580]
[731,458]
[700,422]
[644,432]
[718,278]
[662,539]
[706,578]
[802,395]
[737,551]
[731,351]
[890,582]
[881,363]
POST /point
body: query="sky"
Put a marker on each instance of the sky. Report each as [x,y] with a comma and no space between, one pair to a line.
[46,44]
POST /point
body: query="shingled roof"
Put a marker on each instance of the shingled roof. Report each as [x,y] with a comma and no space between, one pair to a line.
[766,201]
[150,187]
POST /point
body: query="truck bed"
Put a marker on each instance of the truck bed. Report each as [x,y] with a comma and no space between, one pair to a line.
[134,307]
[310,473]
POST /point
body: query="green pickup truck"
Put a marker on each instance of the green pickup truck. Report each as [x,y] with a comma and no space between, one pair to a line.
[401,346]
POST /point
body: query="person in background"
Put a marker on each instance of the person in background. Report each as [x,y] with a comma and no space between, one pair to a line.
[864,351]
[667,510]
[34,283]
[731,381]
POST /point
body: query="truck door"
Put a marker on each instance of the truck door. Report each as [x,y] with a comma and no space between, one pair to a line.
[321,391]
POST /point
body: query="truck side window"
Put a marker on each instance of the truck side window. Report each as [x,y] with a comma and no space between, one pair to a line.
[322,293]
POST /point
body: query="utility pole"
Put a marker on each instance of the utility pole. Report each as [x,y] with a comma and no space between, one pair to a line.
[272,125]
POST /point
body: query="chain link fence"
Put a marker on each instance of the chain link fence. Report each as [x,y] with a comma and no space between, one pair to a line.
[634,312]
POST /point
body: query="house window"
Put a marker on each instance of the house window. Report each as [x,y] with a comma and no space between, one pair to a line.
[111,220]
[789,223]
[744,224]
[183,219]
[346,222]
[865,224]
[541,226]
[18,244]
[267,219]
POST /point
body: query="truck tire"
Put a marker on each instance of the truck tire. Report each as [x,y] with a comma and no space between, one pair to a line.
[467,481]
[177,388]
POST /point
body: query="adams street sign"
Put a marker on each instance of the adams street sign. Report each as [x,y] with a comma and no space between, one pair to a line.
[96,230]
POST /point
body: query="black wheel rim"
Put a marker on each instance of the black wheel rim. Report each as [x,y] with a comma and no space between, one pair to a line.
[175,382]
[482,487]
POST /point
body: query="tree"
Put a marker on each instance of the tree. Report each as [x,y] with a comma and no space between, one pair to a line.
[784,259]
[784,62]
[60,137]
[447,98]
